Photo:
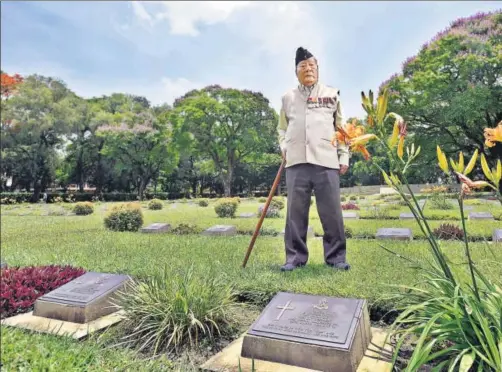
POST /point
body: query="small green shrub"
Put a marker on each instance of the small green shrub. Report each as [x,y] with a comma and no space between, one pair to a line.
[168,312]
[343,198]
[348,232]
[353,197]
[203,203]
[155,204]
[185,229]
[262,200]
[440,201]
[226,207]
[83,208]
[124,217]
[278,203]
[272,212]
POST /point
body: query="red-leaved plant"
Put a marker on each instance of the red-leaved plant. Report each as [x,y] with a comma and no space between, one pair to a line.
[21,286]
[348,206]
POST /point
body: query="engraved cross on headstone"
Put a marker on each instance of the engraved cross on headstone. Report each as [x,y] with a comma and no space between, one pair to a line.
[285,307]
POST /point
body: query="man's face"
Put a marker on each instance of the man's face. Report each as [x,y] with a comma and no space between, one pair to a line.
[306,71]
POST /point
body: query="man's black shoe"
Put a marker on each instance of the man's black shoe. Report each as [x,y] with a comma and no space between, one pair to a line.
[341,266]
[290,267]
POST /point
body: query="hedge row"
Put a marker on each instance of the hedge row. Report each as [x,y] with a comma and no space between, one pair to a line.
[54,197]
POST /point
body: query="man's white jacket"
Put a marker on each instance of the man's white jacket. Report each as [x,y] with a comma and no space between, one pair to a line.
[306,127]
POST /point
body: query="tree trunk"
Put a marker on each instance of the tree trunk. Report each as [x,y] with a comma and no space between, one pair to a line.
[142,186]
[227,183]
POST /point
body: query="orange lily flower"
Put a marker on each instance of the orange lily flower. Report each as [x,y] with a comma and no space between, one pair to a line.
[493,135]
[468,184]
[353,135]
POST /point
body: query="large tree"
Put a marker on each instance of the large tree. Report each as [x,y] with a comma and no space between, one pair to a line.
[35,122]
[452,88]
[141,144]
[229,126]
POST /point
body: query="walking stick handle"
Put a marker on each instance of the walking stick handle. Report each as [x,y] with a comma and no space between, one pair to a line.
[264,213]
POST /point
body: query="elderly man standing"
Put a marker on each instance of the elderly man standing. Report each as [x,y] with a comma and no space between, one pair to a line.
[306,127]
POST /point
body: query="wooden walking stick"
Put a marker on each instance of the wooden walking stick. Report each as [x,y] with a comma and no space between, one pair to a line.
[264,213]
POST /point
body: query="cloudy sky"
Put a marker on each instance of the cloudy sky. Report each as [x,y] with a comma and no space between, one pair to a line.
[162,49]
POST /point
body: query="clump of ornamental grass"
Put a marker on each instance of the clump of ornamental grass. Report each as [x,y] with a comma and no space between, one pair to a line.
[174,311]
[454,318]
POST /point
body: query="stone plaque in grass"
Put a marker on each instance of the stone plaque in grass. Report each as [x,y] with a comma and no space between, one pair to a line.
[310,232]
[247,215]
[315,332]
[480,216]
[497,236]
[406,216]
[350,216]
[221,230]
[156,228]
[83,299]
[396,233]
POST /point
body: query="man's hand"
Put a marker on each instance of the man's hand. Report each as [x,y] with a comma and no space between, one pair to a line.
[344,169]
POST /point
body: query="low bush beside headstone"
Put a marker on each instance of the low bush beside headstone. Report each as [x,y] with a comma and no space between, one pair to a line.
[124,217]
[226,207]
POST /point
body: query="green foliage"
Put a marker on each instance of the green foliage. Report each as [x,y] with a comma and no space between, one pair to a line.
[226,207]
[262,200]
[439,201]
[278,203]
[203,203]
[32,351]
[353,197]
[451,89]
[83,208]
[272,212]
[155,204]
[226,126]
[170,312]
[124,217]
[185,229]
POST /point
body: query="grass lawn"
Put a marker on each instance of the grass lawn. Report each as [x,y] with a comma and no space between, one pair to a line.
[83,241]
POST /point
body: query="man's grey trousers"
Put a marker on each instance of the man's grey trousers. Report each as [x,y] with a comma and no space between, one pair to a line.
[301,179]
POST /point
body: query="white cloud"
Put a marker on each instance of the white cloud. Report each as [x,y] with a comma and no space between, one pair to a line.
[140,12]
[271,32]
[184,17]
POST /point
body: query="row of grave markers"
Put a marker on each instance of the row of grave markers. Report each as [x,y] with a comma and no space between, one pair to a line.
[397,233]
[295,331]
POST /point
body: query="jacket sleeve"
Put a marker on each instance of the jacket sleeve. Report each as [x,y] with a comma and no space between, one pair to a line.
[343,150]
[282,127]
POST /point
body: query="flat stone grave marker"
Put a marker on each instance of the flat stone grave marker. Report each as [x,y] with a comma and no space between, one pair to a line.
[156,228]
[480,216]
[221,230]
[350,215]
[83,299]
[406,216]
[387,191]
[247,215]
[315,332]
[394,233]
[497,236]
[310,232]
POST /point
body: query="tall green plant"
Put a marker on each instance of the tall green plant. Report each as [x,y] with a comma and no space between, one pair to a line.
[167,312]
[457,321]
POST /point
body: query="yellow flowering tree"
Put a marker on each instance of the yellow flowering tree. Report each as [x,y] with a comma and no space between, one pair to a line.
[462,317]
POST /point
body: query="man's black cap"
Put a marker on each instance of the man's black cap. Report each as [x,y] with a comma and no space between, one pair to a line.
[301,55]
